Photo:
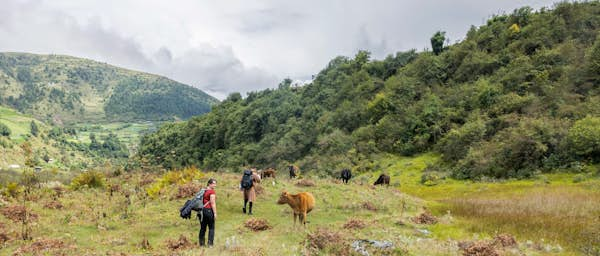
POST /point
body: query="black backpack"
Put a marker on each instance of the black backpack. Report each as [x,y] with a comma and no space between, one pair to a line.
[247,180]
[194,204]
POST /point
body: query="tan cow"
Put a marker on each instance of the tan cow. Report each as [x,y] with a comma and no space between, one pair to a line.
[301,203]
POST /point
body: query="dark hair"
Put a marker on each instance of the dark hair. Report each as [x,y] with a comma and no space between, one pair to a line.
[211,181]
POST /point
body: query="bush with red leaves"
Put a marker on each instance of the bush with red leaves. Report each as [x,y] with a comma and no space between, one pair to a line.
[18,213]
[480,248]
[179,244]
[425,218]
[187,190]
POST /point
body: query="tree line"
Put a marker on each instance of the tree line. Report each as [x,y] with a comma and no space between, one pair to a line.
[518,96]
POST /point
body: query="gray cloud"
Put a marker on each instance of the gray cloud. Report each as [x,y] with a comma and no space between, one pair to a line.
[222,47]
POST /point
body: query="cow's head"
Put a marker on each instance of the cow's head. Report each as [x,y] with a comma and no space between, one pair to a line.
[283,198]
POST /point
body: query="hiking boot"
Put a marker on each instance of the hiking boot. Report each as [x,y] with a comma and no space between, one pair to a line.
[244,210]
[249,213]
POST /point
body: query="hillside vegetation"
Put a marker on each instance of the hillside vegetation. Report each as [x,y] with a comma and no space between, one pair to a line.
[63,89]
[517,97]
[26,142]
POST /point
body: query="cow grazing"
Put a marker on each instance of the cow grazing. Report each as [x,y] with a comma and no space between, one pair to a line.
[293,171]
[301,203]
[346,175]
[269,172]
[383,179]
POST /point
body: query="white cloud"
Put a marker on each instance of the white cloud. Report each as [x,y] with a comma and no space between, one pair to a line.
[227,46]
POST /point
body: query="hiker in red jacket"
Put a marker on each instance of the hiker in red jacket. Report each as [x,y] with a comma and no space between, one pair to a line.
[209,213]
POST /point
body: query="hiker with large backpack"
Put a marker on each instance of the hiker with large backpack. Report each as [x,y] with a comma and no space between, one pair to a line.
[208,215]
[249,179]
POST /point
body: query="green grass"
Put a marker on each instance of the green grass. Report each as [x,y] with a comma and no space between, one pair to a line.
[128,133]
[99,224]
[551,207]
[19,124]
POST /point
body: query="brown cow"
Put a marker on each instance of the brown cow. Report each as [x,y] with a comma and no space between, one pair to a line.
[383,179]
[269,172]
[301,203]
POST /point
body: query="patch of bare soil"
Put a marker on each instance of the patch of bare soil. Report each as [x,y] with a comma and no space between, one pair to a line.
[255,224]
[479,248]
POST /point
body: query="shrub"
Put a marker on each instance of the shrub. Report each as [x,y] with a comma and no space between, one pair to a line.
[455,145]
[12,189]
[430,178]
[255,224]
[513,152]
[180,244]
[584,137]
[90,179]
[4,130]
[425,218]
[579,178]
[180,177]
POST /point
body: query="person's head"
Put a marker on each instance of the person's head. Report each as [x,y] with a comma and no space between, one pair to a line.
[212,183]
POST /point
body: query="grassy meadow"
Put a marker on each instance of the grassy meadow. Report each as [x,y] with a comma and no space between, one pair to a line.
[128,133]
[19,124]
[548,216]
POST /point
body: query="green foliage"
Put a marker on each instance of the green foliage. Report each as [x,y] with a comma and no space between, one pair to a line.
[154,99]
[179,177]
[593,61]
[4,130]
[456,143]
[584,137]
[34,129]
[89,179]
[52,88]
[437,42]
[12,189]
[494,105]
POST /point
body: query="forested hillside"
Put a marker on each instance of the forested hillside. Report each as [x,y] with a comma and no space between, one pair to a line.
[518,96]
[63,89]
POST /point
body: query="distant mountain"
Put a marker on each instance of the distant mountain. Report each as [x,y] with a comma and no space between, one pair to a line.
[65,89]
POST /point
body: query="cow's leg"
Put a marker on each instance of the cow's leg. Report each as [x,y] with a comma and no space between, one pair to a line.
[295,218]
[304,218]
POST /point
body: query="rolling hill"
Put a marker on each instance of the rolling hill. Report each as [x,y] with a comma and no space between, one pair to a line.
[519,96]
[64,89]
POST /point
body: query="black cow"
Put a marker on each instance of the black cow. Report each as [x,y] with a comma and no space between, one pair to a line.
[293,171]
[383,179]
[346,175]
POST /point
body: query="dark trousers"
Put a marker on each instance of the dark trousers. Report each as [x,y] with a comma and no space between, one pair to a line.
[207,220]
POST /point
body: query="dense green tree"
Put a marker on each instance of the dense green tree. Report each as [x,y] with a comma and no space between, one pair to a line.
[501,104]
[585,137]
[34,128]
[437,42]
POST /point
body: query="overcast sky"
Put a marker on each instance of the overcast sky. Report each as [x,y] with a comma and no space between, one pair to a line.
[235,46]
